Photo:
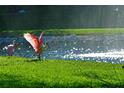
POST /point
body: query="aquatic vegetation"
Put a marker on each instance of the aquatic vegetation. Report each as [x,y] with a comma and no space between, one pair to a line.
[23,72]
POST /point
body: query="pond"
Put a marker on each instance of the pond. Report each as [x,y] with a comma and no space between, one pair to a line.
[100,48]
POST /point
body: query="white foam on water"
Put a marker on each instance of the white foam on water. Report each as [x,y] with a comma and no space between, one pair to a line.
[110,55]
[119,54]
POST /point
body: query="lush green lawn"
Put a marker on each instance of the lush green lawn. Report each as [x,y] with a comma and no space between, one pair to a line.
[65,31]
[22,72]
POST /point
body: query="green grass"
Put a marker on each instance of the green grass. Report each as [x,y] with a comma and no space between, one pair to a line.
[65,31]
[23,72]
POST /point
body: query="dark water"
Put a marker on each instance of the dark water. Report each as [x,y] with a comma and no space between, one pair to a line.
[100,48]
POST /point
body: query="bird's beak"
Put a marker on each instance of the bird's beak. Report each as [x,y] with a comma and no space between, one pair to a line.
[42,33]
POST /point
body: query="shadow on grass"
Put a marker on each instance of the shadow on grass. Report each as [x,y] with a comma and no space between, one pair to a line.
[33,60]
[37,60]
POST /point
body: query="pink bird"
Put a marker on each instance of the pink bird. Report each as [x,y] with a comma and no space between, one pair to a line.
[10,48]
[35,42]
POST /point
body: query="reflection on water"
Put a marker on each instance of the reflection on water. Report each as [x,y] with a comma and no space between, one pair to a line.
[101,48]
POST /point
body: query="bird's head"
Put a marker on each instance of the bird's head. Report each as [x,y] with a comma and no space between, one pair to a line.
[13,42]
[42,33]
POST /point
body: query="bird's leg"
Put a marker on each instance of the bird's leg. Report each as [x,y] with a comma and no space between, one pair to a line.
[38,56]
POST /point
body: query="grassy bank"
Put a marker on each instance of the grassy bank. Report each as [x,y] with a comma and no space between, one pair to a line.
[65,31]
[22,72]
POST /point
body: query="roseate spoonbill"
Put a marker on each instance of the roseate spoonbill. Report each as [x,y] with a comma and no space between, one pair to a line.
[35,42]
[11,48]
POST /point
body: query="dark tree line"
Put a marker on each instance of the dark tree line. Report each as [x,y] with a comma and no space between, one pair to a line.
[60,16]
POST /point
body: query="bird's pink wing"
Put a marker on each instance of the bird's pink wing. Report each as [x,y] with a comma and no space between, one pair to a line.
[33,40]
